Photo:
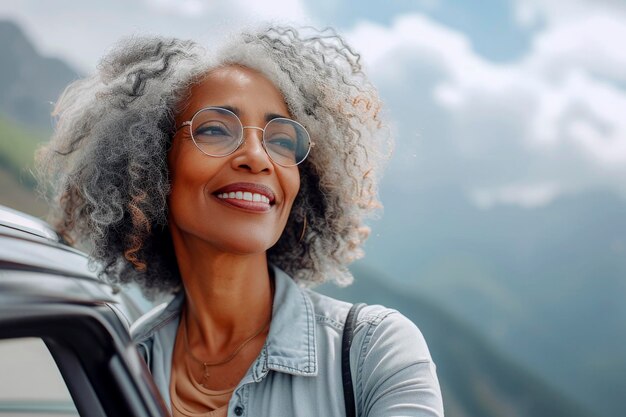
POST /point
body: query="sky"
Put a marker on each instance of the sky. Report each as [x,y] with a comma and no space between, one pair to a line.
[512,102]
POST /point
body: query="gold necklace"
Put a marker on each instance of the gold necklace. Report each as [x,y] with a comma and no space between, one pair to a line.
[230,357]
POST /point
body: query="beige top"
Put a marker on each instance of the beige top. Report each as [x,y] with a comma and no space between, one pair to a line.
[196,406]
[191,398]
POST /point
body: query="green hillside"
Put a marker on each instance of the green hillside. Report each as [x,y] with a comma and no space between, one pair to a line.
[17,149]
[19,197]
[476,380]
[17,183]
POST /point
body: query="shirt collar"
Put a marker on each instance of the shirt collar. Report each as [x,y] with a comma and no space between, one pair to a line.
[291,343]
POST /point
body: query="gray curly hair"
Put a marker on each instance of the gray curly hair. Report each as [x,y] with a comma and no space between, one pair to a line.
[105,168]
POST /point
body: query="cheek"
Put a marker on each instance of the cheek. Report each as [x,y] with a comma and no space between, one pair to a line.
[188,166]
[189,175]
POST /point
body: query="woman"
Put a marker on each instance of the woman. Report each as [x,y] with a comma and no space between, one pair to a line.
[235,178]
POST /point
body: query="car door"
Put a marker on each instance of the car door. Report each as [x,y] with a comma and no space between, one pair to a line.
[65,349]
[97,364]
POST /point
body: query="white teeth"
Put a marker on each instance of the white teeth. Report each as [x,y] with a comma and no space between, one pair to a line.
[246,196]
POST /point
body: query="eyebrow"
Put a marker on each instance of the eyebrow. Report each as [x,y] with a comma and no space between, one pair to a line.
[268,116]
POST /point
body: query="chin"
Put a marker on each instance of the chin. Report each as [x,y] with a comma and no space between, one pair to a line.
[248,247]
[248,243]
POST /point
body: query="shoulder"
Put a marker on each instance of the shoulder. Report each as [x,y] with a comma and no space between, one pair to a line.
[381,330]
[333,312]
[392,370]
[392,366]
[373,320]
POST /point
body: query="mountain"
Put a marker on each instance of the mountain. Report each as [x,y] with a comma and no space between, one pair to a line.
[29,85]
[29,82]
[545,285]
[476,379]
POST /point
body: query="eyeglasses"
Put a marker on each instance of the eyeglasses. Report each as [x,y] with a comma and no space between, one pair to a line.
[218,132]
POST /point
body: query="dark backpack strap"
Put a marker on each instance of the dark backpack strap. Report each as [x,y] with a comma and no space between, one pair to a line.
[346,342]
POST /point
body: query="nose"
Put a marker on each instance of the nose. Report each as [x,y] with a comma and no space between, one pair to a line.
[251,155]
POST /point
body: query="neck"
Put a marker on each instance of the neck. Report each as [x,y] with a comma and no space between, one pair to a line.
[228,296]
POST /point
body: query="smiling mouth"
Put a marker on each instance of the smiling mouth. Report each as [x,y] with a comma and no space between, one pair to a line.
[248,196]
[244,196]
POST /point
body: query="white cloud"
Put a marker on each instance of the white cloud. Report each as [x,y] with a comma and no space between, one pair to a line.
[555,116]
[54,25]
[293,11]
[186,8]
[536,12]
[526,196]
[415,31]
[588,113]
[591,42]
[237,9]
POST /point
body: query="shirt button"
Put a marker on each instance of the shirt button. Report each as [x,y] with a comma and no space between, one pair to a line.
[238,410]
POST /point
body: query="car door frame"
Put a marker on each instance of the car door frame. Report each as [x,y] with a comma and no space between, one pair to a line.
[100,365]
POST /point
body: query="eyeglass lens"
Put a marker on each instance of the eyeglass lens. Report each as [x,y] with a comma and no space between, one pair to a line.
[219,132]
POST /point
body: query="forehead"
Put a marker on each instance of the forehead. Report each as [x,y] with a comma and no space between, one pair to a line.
[239,87]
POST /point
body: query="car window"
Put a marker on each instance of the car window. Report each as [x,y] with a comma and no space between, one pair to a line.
[30,382]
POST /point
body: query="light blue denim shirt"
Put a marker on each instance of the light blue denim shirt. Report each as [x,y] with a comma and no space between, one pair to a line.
[298,372]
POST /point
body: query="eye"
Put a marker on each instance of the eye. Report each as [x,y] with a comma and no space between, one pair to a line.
[283,139]
[282,144]
[287,141]
[212,131]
